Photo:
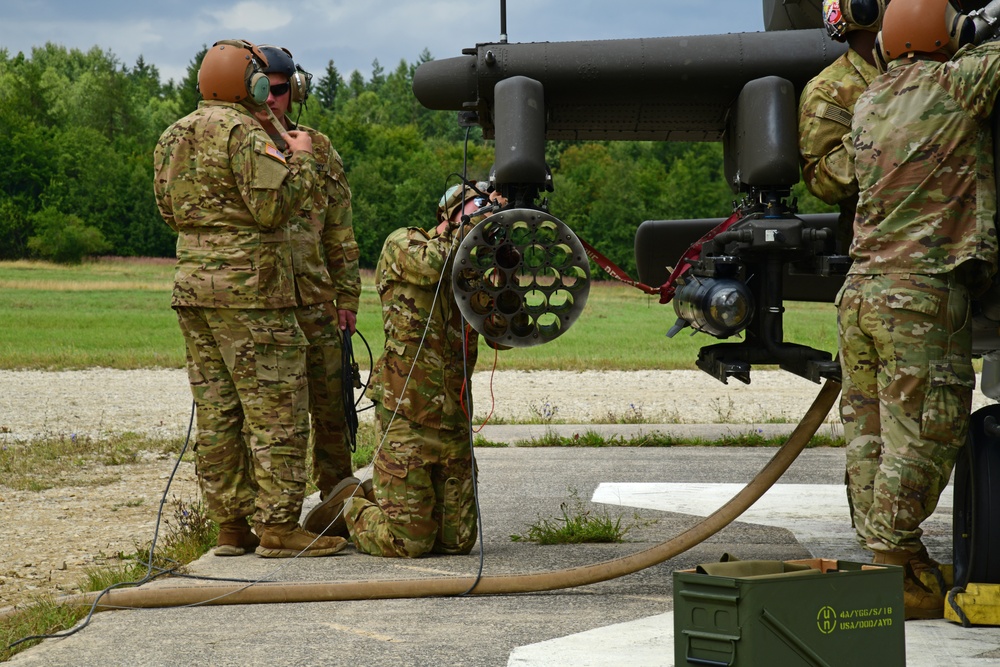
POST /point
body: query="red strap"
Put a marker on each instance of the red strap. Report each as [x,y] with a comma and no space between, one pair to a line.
[667,289]
[612,269]
[691,255]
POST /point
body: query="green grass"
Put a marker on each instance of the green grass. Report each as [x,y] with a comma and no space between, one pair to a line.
[577,524]
[591,438]
[115,313]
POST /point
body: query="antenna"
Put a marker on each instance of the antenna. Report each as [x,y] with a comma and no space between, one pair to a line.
[503,21]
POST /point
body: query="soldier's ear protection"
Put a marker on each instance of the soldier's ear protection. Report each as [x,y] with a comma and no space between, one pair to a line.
[300,81]
[881,64]
[258,86]
[961,28]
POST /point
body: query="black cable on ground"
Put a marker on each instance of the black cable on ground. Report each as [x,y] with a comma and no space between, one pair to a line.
[150,575]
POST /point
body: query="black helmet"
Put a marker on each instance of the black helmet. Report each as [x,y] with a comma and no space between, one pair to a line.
[279,61]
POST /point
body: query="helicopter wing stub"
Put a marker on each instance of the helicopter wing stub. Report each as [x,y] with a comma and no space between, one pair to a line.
[658,89]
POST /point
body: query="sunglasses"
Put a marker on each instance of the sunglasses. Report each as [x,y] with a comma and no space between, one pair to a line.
[279,89]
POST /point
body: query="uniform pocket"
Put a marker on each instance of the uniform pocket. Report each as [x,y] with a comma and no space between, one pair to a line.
[908,299]
[948,401]
[280,355]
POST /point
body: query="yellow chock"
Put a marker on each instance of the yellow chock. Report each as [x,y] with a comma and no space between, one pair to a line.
[941,585]
[977,604]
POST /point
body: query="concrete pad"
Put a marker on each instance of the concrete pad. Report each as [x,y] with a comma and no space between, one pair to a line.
[817,515]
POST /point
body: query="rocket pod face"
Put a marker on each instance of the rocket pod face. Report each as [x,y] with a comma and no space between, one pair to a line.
[521,278]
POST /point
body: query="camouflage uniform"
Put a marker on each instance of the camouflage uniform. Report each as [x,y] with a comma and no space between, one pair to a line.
[325,265]
[825,111]
[423,476]
[229,193]
[924,239]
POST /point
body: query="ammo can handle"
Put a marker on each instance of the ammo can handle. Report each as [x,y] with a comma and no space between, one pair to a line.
[705,661]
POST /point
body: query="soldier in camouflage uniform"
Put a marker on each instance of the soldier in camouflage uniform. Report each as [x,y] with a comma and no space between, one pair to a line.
[826,108]
[827,105]
[327,289]
[230,193]
[924,239]
[423,498]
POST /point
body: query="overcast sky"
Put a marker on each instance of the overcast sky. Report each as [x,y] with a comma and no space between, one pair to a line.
[352,33]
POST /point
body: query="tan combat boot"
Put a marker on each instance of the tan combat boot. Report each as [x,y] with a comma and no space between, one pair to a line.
[327,518]
[919,602]
[235,538]
[288,540]
[368,489]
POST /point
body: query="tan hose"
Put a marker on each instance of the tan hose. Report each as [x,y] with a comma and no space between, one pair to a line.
[272,592]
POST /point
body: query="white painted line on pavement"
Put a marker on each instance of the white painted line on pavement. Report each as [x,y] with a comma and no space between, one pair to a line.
[817,515]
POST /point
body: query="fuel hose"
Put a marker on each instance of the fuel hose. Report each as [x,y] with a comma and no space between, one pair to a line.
[370,589]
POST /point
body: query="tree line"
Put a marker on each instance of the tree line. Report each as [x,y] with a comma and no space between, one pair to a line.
[77,131]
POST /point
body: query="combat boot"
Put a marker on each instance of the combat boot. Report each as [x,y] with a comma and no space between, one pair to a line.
[368,489]
[235,538]
[327,518]
[288,540]
[919,602]
[929,571]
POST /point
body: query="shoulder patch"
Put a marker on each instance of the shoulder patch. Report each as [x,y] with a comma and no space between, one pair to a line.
[272,150]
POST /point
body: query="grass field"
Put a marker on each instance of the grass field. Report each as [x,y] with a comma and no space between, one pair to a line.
[115,313]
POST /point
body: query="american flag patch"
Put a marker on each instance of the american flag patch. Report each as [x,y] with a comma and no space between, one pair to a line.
[275,153]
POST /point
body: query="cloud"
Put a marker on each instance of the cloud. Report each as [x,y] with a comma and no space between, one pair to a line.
[169,33]
[251,16]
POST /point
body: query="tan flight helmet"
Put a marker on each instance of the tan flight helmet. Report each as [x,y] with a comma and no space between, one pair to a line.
[842,16]
[453,199]
[232,71]
[922,26]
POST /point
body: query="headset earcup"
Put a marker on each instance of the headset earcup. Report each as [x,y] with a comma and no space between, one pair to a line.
[258,87]
[300,85]
[881,58]
[961,30]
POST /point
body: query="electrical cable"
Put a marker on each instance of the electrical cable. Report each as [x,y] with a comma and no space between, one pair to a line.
[351,380]
[149,576]
[466,385]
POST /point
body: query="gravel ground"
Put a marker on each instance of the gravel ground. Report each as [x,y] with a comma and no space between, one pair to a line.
[158,402]
[51,537]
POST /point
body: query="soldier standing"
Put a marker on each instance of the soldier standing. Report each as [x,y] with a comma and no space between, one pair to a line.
[422,498]
[230,193]
[327,290]
[827,105]
[924,240]
[827,151]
